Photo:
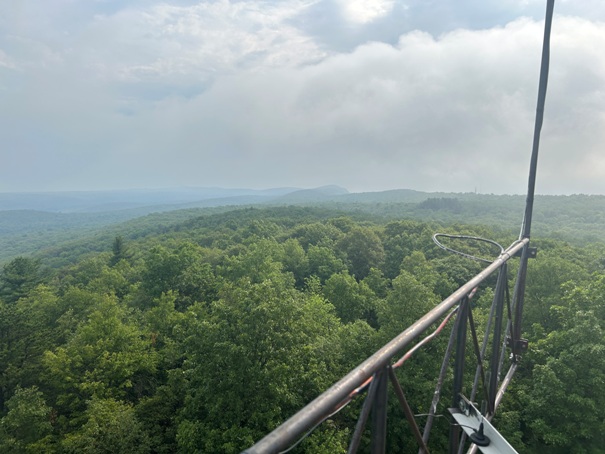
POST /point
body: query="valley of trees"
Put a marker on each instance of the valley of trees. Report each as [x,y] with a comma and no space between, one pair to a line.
[202,335]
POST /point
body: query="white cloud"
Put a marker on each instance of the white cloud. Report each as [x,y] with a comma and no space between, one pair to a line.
[201,40]
[449,113]
[6,61]
[365,11]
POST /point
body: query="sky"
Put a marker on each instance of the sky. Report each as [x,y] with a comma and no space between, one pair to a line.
[371,95]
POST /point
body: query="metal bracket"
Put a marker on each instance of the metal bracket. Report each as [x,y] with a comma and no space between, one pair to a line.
[532,252]
[478,428]
[519,346]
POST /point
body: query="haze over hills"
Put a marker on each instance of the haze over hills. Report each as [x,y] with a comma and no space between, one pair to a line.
[31,222]
[103,201]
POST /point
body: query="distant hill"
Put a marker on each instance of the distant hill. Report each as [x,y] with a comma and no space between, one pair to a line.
[105,201]
[320,194]
[59,217]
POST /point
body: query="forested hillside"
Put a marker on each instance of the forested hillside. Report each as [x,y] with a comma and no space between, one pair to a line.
[205,332]
[29,225]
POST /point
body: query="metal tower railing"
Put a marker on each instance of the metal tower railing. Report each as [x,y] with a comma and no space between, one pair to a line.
[377,369]
[503,328]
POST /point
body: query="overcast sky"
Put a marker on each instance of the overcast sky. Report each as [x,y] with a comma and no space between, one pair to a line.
[433,95]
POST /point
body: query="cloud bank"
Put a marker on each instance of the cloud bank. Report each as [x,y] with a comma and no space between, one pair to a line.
[135,94]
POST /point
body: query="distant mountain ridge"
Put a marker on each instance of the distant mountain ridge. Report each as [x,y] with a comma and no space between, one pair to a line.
[322,193]
[104,201]
[32,222]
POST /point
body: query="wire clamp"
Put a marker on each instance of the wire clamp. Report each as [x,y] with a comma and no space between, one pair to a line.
[518,346]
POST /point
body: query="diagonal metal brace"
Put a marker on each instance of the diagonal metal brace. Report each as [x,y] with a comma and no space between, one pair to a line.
[407,410]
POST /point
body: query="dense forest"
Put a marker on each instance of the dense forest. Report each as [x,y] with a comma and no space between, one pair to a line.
[33,223]
[203,332]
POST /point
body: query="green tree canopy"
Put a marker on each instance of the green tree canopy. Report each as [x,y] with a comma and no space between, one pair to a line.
[111,427]
[363,249]
[26,428]
[18,278]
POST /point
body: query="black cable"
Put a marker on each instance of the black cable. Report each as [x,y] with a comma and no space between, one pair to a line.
[465,237]
[448,417]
